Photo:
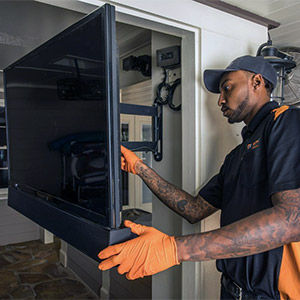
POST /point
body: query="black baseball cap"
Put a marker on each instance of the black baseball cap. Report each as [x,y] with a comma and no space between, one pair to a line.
[255,64]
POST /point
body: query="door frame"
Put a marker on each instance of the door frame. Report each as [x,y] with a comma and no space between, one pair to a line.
[190,55]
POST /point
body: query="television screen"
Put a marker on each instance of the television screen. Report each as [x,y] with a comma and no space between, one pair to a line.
[63,123]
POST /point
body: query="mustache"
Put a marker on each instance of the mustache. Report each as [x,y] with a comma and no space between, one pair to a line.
[224,107]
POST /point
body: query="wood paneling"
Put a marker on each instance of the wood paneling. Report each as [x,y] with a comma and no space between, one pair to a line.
[139,93]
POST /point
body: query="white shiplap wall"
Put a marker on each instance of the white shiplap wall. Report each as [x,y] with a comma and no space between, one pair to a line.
[14,227]
[286,12]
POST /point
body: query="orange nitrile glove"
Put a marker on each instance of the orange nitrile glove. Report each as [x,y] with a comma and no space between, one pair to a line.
[150,253]
[128,160]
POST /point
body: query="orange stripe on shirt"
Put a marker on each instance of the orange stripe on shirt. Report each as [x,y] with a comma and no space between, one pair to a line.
[289,276]
[278,111]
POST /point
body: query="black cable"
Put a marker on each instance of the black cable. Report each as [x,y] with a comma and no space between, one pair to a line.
[170,89]
[159,99]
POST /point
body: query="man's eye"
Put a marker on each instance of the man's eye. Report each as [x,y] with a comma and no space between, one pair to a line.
[226,88]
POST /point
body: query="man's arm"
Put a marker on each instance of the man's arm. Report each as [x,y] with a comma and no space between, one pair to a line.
[193,209]
[257,233]
[262,231]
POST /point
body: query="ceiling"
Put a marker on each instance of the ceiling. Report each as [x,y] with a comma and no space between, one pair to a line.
[286,12]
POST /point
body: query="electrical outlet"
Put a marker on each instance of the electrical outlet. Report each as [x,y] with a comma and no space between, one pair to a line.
[172,75]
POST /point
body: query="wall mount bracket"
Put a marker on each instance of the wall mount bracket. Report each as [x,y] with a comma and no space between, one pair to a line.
[155,111]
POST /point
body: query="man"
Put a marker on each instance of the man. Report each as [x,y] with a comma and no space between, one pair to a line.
[257,190]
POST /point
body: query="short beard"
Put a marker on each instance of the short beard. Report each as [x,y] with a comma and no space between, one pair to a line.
[236,115]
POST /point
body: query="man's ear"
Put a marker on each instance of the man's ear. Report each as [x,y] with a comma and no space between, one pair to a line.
[257,81]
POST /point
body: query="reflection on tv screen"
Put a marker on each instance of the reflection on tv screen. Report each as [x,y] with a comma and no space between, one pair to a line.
[56,103]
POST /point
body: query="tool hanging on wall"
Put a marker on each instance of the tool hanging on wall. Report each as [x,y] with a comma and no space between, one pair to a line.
[141,64]
[169,92]
[168,59]
[282,62]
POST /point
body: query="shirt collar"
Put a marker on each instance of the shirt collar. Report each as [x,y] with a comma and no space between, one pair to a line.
[259,116]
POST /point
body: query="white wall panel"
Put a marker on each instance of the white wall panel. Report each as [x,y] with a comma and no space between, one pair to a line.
[218,137]
[167,285]
[14,227]
[286,12]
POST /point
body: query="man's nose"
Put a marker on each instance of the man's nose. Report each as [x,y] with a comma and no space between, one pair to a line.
[221,99]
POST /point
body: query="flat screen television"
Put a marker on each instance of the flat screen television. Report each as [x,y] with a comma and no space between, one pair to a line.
[62,114]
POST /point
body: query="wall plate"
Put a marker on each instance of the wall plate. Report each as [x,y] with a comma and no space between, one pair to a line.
[172,75]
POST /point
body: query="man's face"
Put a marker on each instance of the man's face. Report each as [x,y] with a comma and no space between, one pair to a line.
[234,96]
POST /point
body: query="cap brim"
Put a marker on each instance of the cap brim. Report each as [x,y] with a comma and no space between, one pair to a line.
[212,79]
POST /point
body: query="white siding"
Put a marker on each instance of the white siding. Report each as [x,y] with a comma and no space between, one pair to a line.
[167,285]
[217,136]
[286,12]
[14,227]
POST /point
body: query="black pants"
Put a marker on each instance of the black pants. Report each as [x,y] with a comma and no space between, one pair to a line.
[225,295]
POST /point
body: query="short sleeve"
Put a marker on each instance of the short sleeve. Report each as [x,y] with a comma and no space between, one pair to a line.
[283,152]
[212,191]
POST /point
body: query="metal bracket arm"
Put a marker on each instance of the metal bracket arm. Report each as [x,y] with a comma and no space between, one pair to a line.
[155,112]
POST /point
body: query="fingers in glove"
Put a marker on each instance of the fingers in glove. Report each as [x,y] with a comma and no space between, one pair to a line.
[135,228]
[137,269]
[129,277]
[123,163]
[123,268]
[135,274]
[111,250]
[109,263]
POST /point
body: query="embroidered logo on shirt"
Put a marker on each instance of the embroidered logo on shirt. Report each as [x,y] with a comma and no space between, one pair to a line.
[253,145]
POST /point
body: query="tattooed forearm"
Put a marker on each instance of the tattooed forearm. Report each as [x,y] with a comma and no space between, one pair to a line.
[181,205]
[193,209]
[291,199]
[265,230]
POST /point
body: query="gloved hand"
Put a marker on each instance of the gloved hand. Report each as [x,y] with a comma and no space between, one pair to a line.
[128,160]
[150,253]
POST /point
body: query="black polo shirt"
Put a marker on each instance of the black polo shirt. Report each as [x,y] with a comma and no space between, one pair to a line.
[267,161]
